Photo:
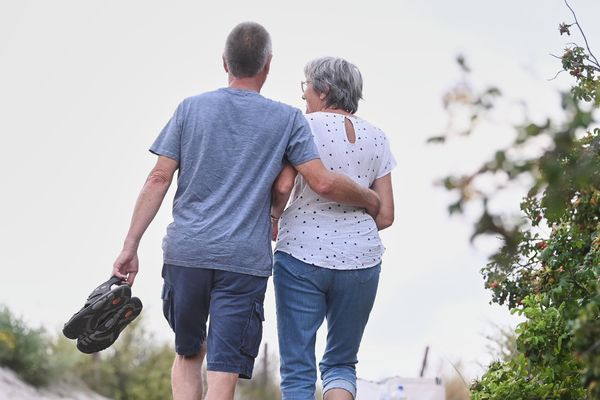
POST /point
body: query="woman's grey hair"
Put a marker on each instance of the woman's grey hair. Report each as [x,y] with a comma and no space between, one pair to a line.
[339,79]
[247,49]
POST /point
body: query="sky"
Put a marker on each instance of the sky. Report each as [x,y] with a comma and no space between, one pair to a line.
[85,87]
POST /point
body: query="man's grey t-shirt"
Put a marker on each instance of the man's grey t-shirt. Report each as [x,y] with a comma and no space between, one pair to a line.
[230,145]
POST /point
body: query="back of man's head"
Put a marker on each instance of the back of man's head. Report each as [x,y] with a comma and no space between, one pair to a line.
[247,49]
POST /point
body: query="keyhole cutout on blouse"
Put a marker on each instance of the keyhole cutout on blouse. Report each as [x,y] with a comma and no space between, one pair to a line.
[350,134]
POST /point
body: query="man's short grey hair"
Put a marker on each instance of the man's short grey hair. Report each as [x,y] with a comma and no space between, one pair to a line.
[247,49]
[339,79]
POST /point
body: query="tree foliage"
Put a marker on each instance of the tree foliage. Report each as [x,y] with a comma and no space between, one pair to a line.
[548,266]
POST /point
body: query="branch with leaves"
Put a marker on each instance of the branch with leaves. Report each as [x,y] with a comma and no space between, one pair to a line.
[550,278]
[581,63]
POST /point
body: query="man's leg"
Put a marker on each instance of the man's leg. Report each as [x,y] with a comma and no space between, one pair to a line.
[221,385]
[186,376]
[186,299]
[235,330]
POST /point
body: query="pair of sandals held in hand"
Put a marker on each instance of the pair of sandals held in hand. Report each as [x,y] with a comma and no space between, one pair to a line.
[107,311]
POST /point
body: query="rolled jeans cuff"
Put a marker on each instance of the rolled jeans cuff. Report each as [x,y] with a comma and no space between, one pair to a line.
[340,384]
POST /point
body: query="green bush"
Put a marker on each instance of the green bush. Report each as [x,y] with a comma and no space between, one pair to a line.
[24,350]
[133,368]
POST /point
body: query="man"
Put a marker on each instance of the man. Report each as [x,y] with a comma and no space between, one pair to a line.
[229,146]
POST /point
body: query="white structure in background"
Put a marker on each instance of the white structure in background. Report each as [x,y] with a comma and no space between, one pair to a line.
[414,389]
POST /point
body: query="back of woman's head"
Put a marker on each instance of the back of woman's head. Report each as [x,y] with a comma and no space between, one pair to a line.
[338,79]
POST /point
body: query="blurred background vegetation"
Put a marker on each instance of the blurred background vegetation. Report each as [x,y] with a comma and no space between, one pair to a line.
[137,366]
[547,267]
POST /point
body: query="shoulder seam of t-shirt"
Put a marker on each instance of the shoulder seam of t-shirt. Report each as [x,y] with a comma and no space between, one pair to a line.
[303,161]
[164,153]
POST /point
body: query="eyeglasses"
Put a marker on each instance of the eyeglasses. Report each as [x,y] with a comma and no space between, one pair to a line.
[303,85]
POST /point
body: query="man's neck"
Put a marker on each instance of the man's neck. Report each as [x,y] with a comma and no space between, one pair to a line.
[252,84]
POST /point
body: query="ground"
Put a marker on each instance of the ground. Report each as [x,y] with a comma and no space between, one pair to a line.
[13,388]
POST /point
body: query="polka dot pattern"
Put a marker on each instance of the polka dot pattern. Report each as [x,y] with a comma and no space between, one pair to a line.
[329,234]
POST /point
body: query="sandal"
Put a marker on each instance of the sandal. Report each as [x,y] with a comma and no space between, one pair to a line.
[103,302]
[108,331]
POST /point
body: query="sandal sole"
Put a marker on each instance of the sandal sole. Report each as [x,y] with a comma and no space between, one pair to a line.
[90,317]
[108,331]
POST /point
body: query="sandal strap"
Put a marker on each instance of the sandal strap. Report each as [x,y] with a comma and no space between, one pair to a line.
[104,288]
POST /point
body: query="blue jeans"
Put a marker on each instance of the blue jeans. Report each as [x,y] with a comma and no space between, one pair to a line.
[306,295]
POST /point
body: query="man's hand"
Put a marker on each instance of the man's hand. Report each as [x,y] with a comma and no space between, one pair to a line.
[126,266]
[373,208]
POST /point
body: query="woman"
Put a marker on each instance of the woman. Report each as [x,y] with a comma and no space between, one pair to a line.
[328,256]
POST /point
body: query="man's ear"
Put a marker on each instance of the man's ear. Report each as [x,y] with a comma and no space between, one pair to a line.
[267,67]
[225,65]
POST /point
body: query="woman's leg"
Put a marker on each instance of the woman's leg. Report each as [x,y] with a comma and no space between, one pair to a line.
[349,304]
[301,306]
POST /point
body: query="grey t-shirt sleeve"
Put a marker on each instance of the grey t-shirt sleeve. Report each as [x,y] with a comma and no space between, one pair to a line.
[301,146]
[168,142]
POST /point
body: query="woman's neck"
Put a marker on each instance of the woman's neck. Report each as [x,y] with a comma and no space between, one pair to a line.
[335,110]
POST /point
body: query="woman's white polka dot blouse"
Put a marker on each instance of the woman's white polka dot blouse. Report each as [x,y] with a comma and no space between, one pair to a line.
[324,233]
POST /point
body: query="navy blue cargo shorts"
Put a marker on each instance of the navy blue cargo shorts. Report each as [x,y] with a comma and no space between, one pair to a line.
[234,303]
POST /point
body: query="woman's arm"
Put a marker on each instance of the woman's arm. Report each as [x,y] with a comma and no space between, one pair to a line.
[383,187]
[280,194]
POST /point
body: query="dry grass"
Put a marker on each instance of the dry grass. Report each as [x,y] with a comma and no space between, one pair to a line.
[456,388]
[455,382]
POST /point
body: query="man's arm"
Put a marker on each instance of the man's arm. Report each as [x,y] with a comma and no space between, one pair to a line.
[383,187]
[338,187]
[147,205]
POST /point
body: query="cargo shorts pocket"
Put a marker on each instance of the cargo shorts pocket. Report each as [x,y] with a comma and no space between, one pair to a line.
[168,304]
[252,334]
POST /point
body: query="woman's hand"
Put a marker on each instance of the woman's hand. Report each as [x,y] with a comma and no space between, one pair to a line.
[274,228]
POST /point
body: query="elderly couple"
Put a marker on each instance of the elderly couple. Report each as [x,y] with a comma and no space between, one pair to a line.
[237,154]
